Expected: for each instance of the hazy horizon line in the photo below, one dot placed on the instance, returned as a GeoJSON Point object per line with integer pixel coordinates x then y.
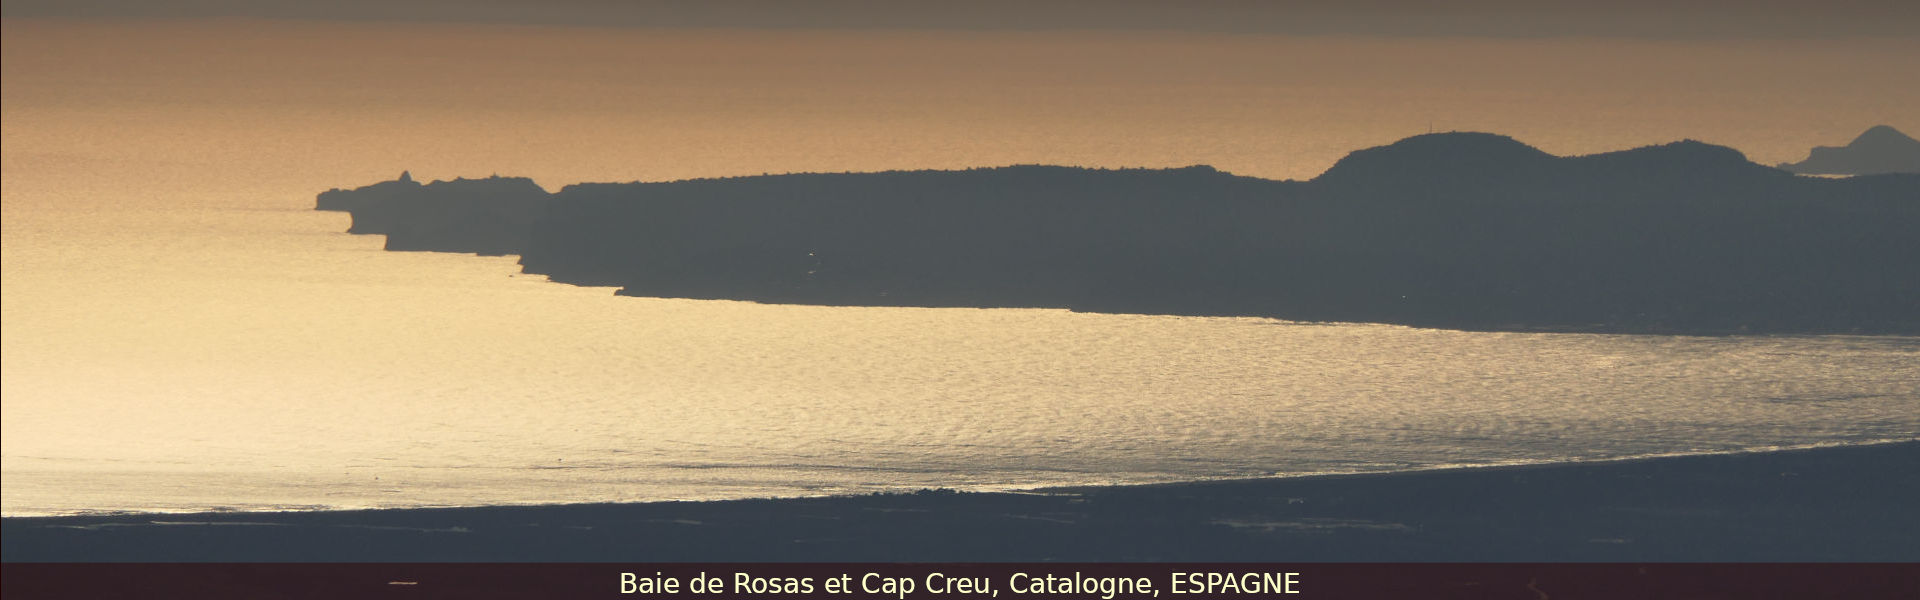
{"type": "Point", "coordinates": [1096, 167]}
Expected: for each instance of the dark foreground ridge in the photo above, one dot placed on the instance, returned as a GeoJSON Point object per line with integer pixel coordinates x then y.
{"type": "Point", "coordinates": [1455, 230]}
{"type": "Point", "coordinates": [1832, 504]}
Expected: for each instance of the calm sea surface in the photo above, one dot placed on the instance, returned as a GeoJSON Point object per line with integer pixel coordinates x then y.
{"type": "Point", "coordinates": [259, 359]}
{"type": "Point", "coordinates": [182, 334]}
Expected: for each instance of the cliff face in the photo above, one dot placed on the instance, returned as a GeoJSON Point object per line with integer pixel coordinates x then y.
{"type": "Point", "coordinates": [491, 216]}
{"type": "Point", "coordinates": [368, 197]}
{"type": "Point", "coordinates": [1448, 230]}
{"type": "Point", "coordinates": [1880, 149]}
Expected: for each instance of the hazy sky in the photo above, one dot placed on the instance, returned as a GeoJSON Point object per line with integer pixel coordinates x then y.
{"type": "Point", "coordinates": [1501, 18]}
{"type": "Point", "coordinates": [315, 94]}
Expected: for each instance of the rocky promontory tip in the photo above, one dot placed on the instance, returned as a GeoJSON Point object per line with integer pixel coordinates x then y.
{"type": "Point", "coordinates": [366, 196]}
{"type": "Point", "coordinates": [1454, 230]}
{"type": "Point", "coordinates": [1880, 149]}
{"type": "Point", "coordinates": [490, 216]}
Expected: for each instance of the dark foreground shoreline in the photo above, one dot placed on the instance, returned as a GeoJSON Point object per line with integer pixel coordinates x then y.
{"type": "Point", "coordinates": [1831, 504]}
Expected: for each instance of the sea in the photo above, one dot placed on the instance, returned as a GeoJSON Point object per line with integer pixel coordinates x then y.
{"type": "Point", "coordinates": [183, 333]}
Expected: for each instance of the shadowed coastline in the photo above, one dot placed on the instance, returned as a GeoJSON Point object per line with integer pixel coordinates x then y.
{"type": "Point", "coordinates": [1830, 504]}
{"type": "Point", "coordinates": [1455, 230]}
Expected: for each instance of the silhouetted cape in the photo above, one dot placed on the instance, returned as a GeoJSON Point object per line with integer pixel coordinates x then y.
{"type": "Point", "coordinates": [1454, 230]}
{"type": "Point", "coordinates": [1880, 149]}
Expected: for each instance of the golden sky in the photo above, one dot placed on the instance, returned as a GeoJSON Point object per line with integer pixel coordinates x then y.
{"type": "Point", "coordinates": [312, 104]}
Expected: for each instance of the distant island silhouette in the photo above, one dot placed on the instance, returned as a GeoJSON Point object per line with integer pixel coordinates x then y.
{"type": "Point", "coordinates": [1880, 149]}
{"type": "Point", "coordinates": [1451, 230]}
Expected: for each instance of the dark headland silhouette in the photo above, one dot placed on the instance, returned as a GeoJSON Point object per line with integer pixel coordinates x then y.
{"type": "Point", "coordinates": [1880, 149]}
{"type": "Point", "coordinates": [1453, 230]}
